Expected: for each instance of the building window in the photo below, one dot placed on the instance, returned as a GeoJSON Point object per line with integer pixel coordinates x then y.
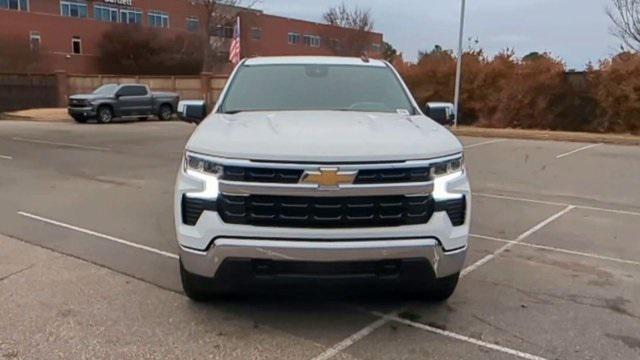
{"type": "Point", "coordinates": [193, 24]}
{"type": "Point", "coordinates": [129, 16]}
{"type": "Point", "coordinates": [158, 19]}
{"type": "Point", "coordinates": [76, 45]}
{"type": "Point", "coordinates": [294, 38]}
{"type": "Point", "coordinates": [224, 31]}
{"type": "Point", "coordinates": [376, 47]}
{"type": "Point", "coordinates": [34, 41]}
{"type": "Point", "coordinates": [105, 13]}
{"type": "Point", "coordinates": [256, 33]}
{"type": "Point", "coordinates": [312, 41]}
{"type": "Point", "coordinates": [22, 5]}
{"type": "Point", "coordinates": [73, 8]}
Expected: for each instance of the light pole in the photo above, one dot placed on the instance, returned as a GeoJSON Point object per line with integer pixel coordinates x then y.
{"type": "Point", "coordinates": [459, 66]}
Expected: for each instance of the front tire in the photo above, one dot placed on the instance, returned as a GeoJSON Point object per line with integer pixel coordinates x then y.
{"type": "Point", "coordinates": [193, 286]}
{"type": "Point", "coordinates": [443, 288]}
{"type": "Point", "coordinates": [165, 112]}
{"type": "Point", "coordinates": [105, 115]}
{"type": "Point", "coordinates": [79, 119]}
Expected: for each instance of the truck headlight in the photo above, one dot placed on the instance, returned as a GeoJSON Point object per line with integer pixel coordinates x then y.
{"type": "Point", "coordinates": [442, 173]}
{"type": "Point", "coordinates": [448, 167]}
{"type": "Point", "coordinates": [205, 170]}
{"type": "Point", "coordinates": [202, 165]}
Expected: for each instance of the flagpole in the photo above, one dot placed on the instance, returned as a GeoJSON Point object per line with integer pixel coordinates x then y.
{"type": "Point", "coordinates": [459, 65]}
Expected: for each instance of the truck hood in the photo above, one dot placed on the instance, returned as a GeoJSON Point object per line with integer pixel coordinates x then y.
{"type": "Point", "coordinates": [87, 97]}
{"type": "Point", "coordinates": [322, 136]}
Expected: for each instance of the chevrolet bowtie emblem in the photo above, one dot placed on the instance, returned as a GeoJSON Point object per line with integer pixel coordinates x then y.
{"type": "Point", "coordinates": [328, 177]}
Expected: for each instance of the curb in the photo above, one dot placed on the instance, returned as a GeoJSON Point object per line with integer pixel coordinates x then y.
{"type": "Point", "coordinates": [583, 137]}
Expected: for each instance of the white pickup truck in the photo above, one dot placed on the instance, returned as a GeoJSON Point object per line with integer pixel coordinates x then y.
{"type": "Point", "coordinates": [320, 167]}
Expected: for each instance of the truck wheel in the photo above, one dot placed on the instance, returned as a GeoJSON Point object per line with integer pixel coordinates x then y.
{"type": "Point", "coordinates": [193, 286]}
{"type": "Point", "coordinates": [165, 112]}
{"type": "Point", "coordinates": [105, 115]}
{"type": "Point", "coordinates": [443, 288]}
{"type": "Point", "coordinates": [80, 119]}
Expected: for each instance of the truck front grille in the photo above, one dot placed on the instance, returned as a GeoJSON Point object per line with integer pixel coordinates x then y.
{"type": "Point", "coordinates": [262, 175]}
{"type": "Point", "coordinates": [78, 103]}
{"type": "Point", "coordinates": [292, 176]}
{"type": "Point", "coordinates": [325, 212]}
{"type": "Point", "coordinates": [456, 210]}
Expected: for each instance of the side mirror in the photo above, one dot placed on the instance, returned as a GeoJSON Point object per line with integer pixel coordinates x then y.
{"type": "Point", "coordinates": [192, 111]}
{"type": "Point", "coordinates": [440, 114]}
{"type": "Point", "coordinates": [426, 110]}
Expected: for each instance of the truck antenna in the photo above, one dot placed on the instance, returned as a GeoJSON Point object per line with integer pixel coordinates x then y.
{"type": "Point", "coordinates": [364, 57]}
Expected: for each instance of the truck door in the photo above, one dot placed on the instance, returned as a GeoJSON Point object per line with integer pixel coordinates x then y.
{"type": "Point", "coordinates": [134, 100]}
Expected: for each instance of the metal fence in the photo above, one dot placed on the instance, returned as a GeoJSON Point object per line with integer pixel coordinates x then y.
{"type": "Point", "coordinates": [22, 91]}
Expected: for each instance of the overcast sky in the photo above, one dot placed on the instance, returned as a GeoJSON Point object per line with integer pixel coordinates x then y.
{"type": "Point", "coordinates": [575, 30]}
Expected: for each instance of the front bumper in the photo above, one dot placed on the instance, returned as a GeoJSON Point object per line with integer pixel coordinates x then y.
{"type": "Point", "coordinates": [207, 263]}
{"type": "Point", "coordinates": [205, 246]}
{"type": "Point", "coordinates": [87, 112]}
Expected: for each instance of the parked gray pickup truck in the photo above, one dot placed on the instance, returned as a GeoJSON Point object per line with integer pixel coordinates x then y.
{"type": "Point", "coordinates": [126, 100]}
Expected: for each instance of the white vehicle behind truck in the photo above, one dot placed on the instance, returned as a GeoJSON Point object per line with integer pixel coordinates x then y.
{"type": "Point", "coordinates": [320, 167]}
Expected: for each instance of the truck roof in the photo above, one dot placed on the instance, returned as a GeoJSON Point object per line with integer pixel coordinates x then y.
{"type": "Point", "coordinates": [320, 60]}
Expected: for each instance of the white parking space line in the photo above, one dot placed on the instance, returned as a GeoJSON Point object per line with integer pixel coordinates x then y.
{"type": "Point", "coordinates": [555, 249]}
{"type": "Point", "coordinates": [519, 239]}
{"type": "Point", "coordinates": [614, 211]}
{"type": "Point", "coordinates": [337, 348]}
{"type": "Point", "coordinates": [392, 315]}
{"type": "Point", "coordinates": [577, 150]}
{"type": "Point", "coordinates": [97, 234]}
{"type": "Point", "coordinates": [485, 143]}
{"type": "Point", "coordinates": [46, 142]}
{"type": "Point", "coordinates": [456, 336]}
{"type": "Point", "coordinates": [5, 157]}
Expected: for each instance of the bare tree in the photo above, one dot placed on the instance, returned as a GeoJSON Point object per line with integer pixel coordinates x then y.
{"type": "Point", "coordinates": [220, 14]}
{"type": "Point", "coordinates": [625, 15]}
{"type": "Point", "coordinates": [356, 18]}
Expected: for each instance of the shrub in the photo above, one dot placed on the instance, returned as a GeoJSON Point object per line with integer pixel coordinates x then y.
{"type": "Point", "coordinates": [127, 49]}
{"type": "Point", "coordinates": [616, 88]}
{"type": "Point", "coordinates": [504, 91]}
{"type": "Point", "coordinates": [17, 57]}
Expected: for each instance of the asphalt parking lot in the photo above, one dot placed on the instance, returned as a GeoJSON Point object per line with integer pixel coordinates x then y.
{"type": "Point", "coordinates": [88, 266]}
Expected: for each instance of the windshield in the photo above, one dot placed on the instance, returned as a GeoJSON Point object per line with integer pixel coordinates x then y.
{"type": "Point", "coordinates": [316, 87]}
{"type": "Point", "coordinates": [106, 89]}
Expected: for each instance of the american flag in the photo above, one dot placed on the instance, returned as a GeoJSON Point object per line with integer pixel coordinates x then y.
{"type": "Point", "coordinates": [234, 50]}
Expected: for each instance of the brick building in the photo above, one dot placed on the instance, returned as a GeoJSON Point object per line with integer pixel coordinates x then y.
{"type": "Point", "coordinates": [65, 34]}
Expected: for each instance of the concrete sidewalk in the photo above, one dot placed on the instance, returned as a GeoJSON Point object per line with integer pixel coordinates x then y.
{"type": "Point", "coordinates": [56, 306]}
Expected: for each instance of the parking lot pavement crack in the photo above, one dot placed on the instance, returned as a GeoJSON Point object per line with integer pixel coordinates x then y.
{"type": "Point", "coordinates": [16, 272]}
